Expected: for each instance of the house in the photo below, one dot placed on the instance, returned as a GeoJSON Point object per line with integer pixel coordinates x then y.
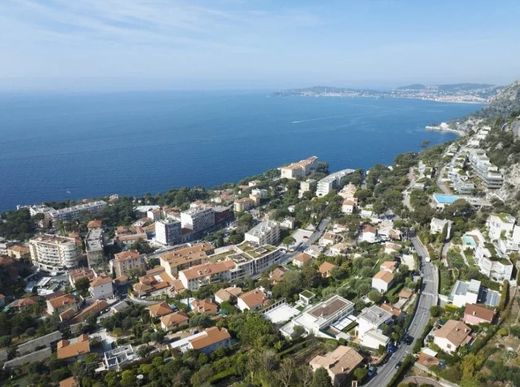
{"type": "Point", "coordinates": [389, 266]}
{"type": "Point", "coordinates": [227, 295]}
{"type": "Point", "coordinates": [451, 336]}
{"type": "Point", "coordinates": [159, 310]}
{"type": "Point", "coordinates": [321, 316]}
{"type": "Point", "coordinates": [206, 341]}
{"type": "Point", "coordinates": [339, 248]}
{"type": "Point", "coordinates": [69, 382]}
{"type": "Point", "coordinates": [374, 339]}
{"type": "Point", "coordinates": [348, 206]}
{"type": "Point", "coordinates": [101, 287]}
{"type": "Point", "coordinates": [405, 294]}
{"type": "Point", "coordinates": [339, 364]}
{"type": "Point", "coordinates": [96, 307]}
{"type": "Point", "coordinates": [82, 272]}
{"type": "Point", "coordinates": [465, 293]}
{"type": "Point", "coordinates": [368, 330]}
{"type": "Point", "coordinates": [475, 314]}
{"type": "Point", "coordinates": [204, 306]}
{"type": "Point", "coordinates": [155, 282]}
{"type": "Point", "coordinates": [326, 268]}
{"type": "Point", "coordinates": [61, 303]}
{"type": "Point", "coordinates": [277, 275]}
{"type": "Point", "coordinates": [437, 226]}
{"type": "Point", "coordinates": [391, 247]}
{"type": "Point", "coordinates": [382, 281]}
{"type": "Point", "coordinates": [301, 259]}
{"type": "Point", "coordinates": [67, 349]}
{"type": "Point", "coordinates": [313, 250]}
{"type": "Point", "coordinates": [368, 234]}
{"type": "Point", "coordinates": [174, 320]}
{"type": "Point", "coordinates": [328, 239]}
{"type": "Point", "coordinates": [394, 310]}
{"type": "Point", "coordinates": [253, 300]}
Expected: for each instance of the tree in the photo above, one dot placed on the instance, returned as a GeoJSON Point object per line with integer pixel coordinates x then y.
{"type": "Point", "coordinates": [288, 240]}
{"type": "Point", "coordinates": [128, 378]}
{"type": "Point", "coordinates": [82, 286]}
{"type": "Point", "coordinates": [375, 296]}
{"type": "Point", "coordinates": [360, 374]}
{"type": "Point", "coordinates": [202, 320]}
{"type": "Point", "coordinates": [436, 311]}
{"type": "Point", "coordinates": [298, 331]}
{"type": "Point", "coordinates": [321, 378]}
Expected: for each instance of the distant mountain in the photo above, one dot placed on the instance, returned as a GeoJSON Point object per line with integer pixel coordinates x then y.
{"type": "Point", "coordinates": [466, 86]}
{"type": "Point", "coordinates": [415, 86]}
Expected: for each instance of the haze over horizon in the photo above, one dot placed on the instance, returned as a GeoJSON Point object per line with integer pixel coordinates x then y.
{"type": "Point", "coordinates": [122, 45]}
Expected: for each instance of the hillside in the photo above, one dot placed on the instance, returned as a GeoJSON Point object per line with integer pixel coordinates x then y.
{"type": "Point", "coordinates": [502, 144]}
{"type": "Point", "coordinates": [505, 104]}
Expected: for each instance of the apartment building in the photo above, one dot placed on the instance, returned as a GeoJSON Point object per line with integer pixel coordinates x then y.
{"type": "Point", "coordinates": [264, 233]}
{"type": "Point", "coordinates": [94, 246]}
{"type": "Point", "coordinates": [168, 232]}
{"type": "Point", "coordinates": [198, 219]}
{"type": "Point", "coordinates": [243, 204]}
{"type": "Point", "coordinates": [128, 263]}
{"type": "Point", "coordinates": [185, 257]}
{"type": "Point", "coordinates": [234, 264]}
{"type": "Point", "coordinates": [68, 213]}
{"type": "Point", "coordinates": [331, 182]}
{"type": "Point", "coordinates": [485, 170]}
{"type": "Point", "coordinates": [53, 252]}
{"type": "Point", "coordinates": [206, 274]}
{"type": "Point", "coordinates": [299, 169]}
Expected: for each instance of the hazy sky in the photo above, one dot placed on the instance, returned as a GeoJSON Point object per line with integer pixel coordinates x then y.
{"type": "Point", "coordinates": [78, 44]}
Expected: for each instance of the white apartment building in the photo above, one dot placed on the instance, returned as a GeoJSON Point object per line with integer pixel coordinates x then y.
{"type": "Point", "coordinates": [500, 226]}
{"type": "Point", "coordinates": [299, 169]}
{"type": "Point", "coordinates": [168, 232]}
{"type": "Point", "coordinates": [53, 253]}
{"type": "Point", "coordinates": [490, 264]}
{"type": "Point", "coordinates": [198, 218]}
{"type": "Point", "coordinates": [68, 213]}
{"type": "Point", "coordinates": [485, 170]}
{"type": "Point", "coordinates": [330, 182]}
{"type": "Point", "coordinates": [264, 233]}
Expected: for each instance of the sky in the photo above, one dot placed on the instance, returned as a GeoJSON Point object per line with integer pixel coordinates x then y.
{"type": "Point", "coordinates": [255, 44]}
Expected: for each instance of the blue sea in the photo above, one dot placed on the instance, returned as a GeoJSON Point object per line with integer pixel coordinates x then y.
{"type": "Point", "coordinates": [71, 146]}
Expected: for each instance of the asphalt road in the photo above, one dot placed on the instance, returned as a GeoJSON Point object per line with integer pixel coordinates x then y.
{"type": "Point", "coordinates": [427, 298]}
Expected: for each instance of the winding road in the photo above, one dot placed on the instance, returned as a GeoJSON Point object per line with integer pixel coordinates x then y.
{"type": "Point", "coordinates": [428, 297]}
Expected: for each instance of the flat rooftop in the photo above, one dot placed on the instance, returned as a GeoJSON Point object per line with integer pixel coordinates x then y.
{"type": "Point", "coordinates": [330, 307]}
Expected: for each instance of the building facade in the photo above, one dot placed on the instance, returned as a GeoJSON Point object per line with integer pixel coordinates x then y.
{"type": "Point", "coordinates": [54, 253]}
